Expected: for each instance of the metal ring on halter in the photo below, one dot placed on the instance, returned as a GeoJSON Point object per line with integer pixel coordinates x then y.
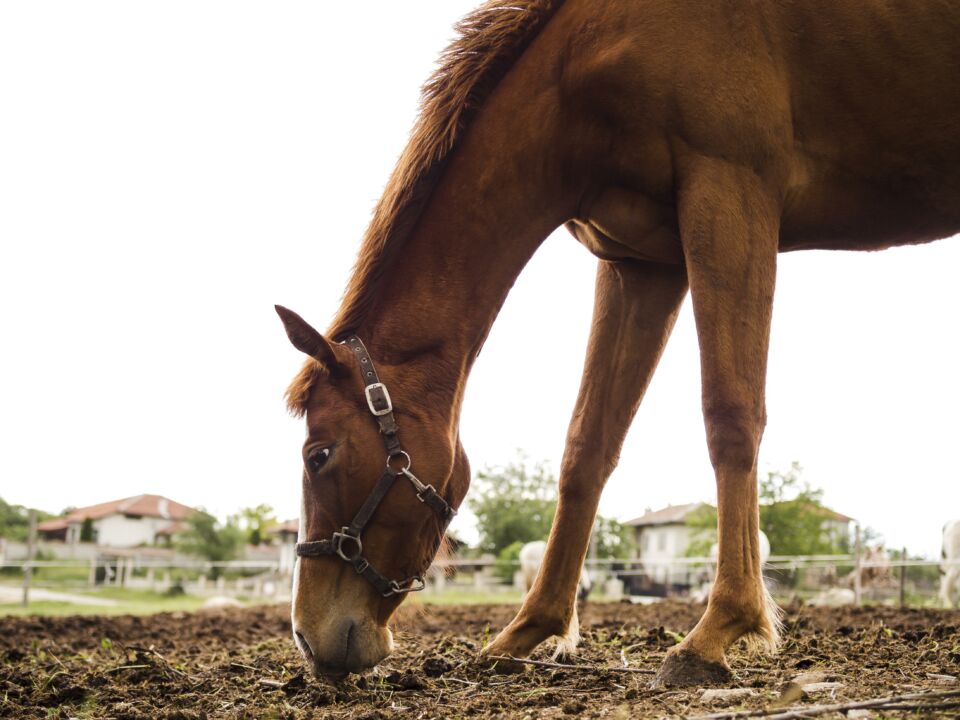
{"type": "Point", "coordinates": [403, 470]}
{"type": "Point", "coordinates": [339, 537]}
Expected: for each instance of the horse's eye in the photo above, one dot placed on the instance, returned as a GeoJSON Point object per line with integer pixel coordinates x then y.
{"type": "Point", "coordinates": [317, 459]}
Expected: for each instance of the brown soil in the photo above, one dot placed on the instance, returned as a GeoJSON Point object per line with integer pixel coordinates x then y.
{"type": "Point", "coordinates": [242, 664]}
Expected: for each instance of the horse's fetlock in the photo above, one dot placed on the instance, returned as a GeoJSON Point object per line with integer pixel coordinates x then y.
{"type": "Point", "coordinates": [546, 623]}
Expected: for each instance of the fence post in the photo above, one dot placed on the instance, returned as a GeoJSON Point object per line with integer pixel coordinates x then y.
{"type": "Point", "coordinates": [903, 578]}
{"type": "Point", "coordinates": [31, 551]}
{"type": "Point", "coordinates": [857, 580]}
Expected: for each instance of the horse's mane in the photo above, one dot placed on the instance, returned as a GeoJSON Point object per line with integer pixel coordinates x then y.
{"type": "Point", "coordinates": [489, 42]}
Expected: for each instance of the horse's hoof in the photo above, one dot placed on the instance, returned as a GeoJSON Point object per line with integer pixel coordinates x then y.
{"type": "Point", "coordinates": [685, 668]}
{"type": "Point", "coordinates": [501, 665]}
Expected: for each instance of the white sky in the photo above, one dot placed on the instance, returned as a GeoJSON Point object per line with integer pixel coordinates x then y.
{"type": "Point", "coordinates": [169, 171]}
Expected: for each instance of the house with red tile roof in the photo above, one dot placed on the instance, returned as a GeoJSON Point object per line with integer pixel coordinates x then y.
{"type": "Point", "coordinates": [128, 522]}
{"type": "Point", "coordinates": [663, 536]}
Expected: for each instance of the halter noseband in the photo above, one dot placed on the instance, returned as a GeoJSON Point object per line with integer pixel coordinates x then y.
{"type": "Point", "coordinates": [346, 544]}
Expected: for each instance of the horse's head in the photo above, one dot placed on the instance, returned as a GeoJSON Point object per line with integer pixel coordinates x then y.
{"type": "Point", "coordinates": [375, 501]}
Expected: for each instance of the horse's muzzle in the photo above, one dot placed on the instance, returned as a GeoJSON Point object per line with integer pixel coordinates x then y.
{"type": "Point", "coordinates": [343, 646]}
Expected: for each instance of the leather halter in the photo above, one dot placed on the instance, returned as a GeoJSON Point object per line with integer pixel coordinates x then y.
{"type": "Point", "coordinates": [346, 544]}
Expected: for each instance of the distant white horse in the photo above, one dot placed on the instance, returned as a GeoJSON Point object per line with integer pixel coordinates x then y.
{"type": "Point", "coordinates": [531, 557]}
{"type": "Point", "coordinates": [703, 592]}
{"type": "Point", "coordinates": [950, 574]}
{"type": "Point", "coordinates": [764, 553]}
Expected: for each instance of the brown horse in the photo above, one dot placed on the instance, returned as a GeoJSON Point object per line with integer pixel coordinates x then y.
{"type": "Point", "coordinates": [685, 144]}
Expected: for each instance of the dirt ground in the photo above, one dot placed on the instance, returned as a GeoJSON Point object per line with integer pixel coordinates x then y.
{"type": "Point", "coordinates": [241, 663]}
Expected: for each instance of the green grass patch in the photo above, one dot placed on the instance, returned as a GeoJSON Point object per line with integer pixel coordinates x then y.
{"type": "Point", "coordinates": [49, 607]}
{"type": "Point", "coordinates": [468, 597]}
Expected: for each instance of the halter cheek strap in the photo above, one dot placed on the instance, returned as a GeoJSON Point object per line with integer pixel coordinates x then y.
{"type": "Point", "coordinates": [347, 544]}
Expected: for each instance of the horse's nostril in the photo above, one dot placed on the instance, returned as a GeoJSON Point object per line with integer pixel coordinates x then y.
{"type": "Point", "coordinates": [304, 646]}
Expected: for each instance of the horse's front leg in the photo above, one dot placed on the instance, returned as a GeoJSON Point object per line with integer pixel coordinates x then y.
{"type": "Point", "coordinates": [729, 226]}
{"type": "Point", "coordinates": [635, 308]}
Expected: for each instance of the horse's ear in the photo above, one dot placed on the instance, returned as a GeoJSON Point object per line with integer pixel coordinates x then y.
{"type": "Point", "coordinates": [306, 339]}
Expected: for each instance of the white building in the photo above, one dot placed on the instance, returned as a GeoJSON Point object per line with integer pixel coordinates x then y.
{"type": "Point", "coordinates": [663, 536]}
{"type": "Point", "coordinates": [125, 523]}
{"type": "Point", "coordinates": [285, 535]}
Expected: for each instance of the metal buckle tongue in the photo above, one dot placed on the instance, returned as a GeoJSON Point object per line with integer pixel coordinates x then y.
{"type": "Point", "coordinates": [378, 399]}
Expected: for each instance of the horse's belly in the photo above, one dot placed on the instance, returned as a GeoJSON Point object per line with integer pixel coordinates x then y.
{"type": "Point", "coordinates": [846, 214]}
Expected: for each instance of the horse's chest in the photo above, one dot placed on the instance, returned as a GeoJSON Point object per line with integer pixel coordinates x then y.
{"type": "Point", "coordinates": [620, 223]}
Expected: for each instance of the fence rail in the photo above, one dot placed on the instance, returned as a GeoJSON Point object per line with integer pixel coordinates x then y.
{"type": "Point", "coordinates": [480, 573]}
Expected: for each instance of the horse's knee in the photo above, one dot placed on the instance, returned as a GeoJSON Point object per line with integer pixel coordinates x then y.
{"type": "Point", "coordinates": [733, 434]}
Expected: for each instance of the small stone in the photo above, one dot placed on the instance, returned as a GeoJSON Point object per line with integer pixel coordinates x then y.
{"type": "Point", "coordinates": [808, 678]}
{"type": "Point", "coordinates": [822, 687]}
{"type": "Point", "coordinates": [726, 696]}
{"type": "Point", "coordinates": [859, 714]}
{"type": "Point", "coordinates": [789, 693]}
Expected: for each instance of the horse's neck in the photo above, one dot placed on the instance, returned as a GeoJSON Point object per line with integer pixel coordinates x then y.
{"type": "Point", "coordinates": [497, 200]}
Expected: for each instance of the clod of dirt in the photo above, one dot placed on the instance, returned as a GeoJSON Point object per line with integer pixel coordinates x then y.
{"type": "Point", "coordinates": [405, 681]}
{"type": "Point", "coordinates": [294, 684]}
{"type": "Point", "coordinates": [574, 707]}
{"type": "Point", "coordinates": [435, 667]}
{"type": "Point", "coordinates": [374, 715]}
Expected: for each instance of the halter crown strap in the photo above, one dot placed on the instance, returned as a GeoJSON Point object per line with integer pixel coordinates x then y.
{"type": "Point", "coordinates": [378, 399]}
{"type": "Point", "coordinates": [347, 544]}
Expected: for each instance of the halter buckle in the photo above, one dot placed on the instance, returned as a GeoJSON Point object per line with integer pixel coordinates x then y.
{"type": "Point", "coordinates": [414, 584]}
{"type": "Point", "coordinates": [428, 489]}
{"type": "Point", "coordinates": [339, 537]}
{"type": "Point", "coordinates": [378, 399]}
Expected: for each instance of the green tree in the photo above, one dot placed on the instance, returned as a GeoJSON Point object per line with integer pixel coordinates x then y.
{"type": "Point", "coordinates": [703, 526]}
{"type": "Point", "coordinates": [257, 521]}
{"type": "Point", "coordinates": [86, 530]}
{"type": "Point", "coordinates": [508, 560]}
{"type": "Point", "coordinates": [791, 514]}
{"type": "Point", "coordinates": [513, 504]}
{"type": "Point", "coordinates": [614, 539]}
{"type": "Point", "coordinates": [15, 521]}
{"type": "Point", "coordinates": [207, 538]}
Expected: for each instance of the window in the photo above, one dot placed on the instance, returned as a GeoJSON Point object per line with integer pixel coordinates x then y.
{"type": "Point", "coordinates": [662, 541]}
